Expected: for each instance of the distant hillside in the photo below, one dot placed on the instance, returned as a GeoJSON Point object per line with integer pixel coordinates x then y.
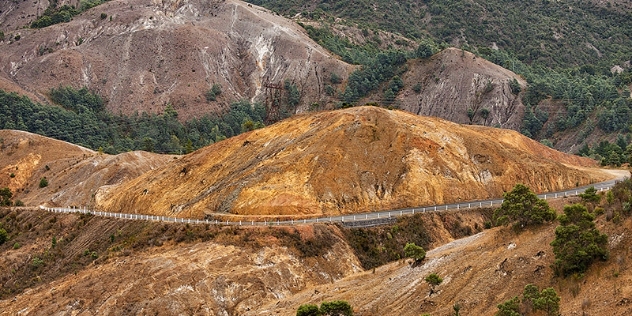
{"type": "Point", "coordinates": [198, 56]}
{"type": "Point", "coordinates": [460, 87]}
{"type": "Point", "coordinates": [574, 55]}
{"type": "Point", "coordinates": [553, 33]}
{"type": "Point", "coordinates": [348, 161]}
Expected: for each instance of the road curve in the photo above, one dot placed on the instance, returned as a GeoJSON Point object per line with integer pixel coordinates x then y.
{"type": "Point", "coordinates": [360, 220]}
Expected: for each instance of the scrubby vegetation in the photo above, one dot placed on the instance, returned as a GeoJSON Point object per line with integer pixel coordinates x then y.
{"type": "Point", "coordinates": [334, 308]}
{"type": "Point", "coordinates": [433, 279]}
{"type": "Point", "coordinates": [532, 301]}
{"type": "Point", "coordinates": [379, 245]}
{"type": "Point", "coordinates": [55, 15]}
{"type": "Point", "coordinates": [413, 251]}
{"type": "Point", "coordinates": [82, 119]}
{"type": "Point", "coordinates": [5, 197]}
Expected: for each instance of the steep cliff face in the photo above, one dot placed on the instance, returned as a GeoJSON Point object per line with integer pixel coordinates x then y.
{"type": "Point", "coordinates": [146, 54]}
{"type": "Point", "coordinates": [453, 82]}
{"type": "Point", "coordinates": [348, 161]}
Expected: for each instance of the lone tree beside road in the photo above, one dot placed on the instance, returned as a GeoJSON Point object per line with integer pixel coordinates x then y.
{"type": "Point", "coordinates": [523, 208]}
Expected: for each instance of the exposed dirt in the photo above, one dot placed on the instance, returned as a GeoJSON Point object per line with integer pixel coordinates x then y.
{"type": "Point", "coordinates": [347, 161]}
{"type": "Point", "coordinates": [148, 53]}
{"type": "Point", "coordinates": [164, 269]}
{"type": "Point", "coordinates": [148, 269]}
{"type": "Point", "coordinates": [74, 173]}
{"type": "Point", "coordinates": [480, 272]}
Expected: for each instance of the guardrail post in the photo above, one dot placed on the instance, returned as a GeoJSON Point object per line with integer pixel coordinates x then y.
{"type": "Point", "coordinates": [413, 211]}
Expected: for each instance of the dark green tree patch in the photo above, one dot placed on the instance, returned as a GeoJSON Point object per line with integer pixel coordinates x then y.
{"type": "Point", "coordinates": [522, 208]}
{"type": "Point", "coordinates": [577, 241]}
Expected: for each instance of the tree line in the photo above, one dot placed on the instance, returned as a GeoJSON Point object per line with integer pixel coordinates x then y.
{"type": "Point", "coordinates": [81, 118]}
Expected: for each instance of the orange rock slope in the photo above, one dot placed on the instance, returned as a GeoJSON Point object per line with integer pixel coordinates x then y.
{"type": "Point", "coordinates": [348, 161]}
{"type": "Point", "coordinates": [74, 173]}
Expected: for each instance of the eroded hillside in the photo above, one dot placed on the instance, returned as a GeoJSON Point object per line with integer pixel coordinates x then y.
{"type": "Point", "coordinates": [145, 54]}
{"type": "Point", "coordinates": [346, 161]}
{"type": "Point", "coordinates": [107, 266]}
{"type": "Point", "coordinates": [480, 272]}
{"type": "Point", "coordinates": [460, 87]}
{"type": "Point", "coordinates": [74, 173]}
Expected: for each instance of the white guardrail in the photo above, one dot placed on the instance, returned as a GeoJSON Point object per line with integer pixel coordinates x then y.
{"type": "Point", "coordinates": [602, 186]}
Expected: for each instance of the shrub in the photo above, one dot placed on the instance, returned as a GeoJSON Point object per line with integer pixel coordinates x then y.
{"type": "Point", "coordinates": [103, 16]}
{"type": "Point", "coordinates": [336, 308]}
{"type": "Point", "coordinates": [509, 307]}
{"type": "Point", "coordinates": [335, 79]}
{"type": "Point", "coordinates": [413, 251]}
{"type": "Point", "coordinates": [434, 279]}
{"type": "Point", "coordinates": [532, 299]}
{"type": "Point", "coordinates": [16, 246]}
{"type": "Point", "coordinates": [4, 236]}
{"type": "Point", "coordinates": [211, 94]}
{"type": "Point", "coordinates": [417, 87]}
{"type": "Point", "coordinates": [577, 242]}
{"type": "Point", "coordinates": [37, 262]}
{"type": "Point", "coordinates": [43, 182]}
{"type": "Point", "coordinates": [308, 310]}
{"type": "Point", "coordinates": [5, 197]}
{"type": "Point", "coordinates": [548, 301]}
{"type": "Point", "coordinates": [523, 208]}
{"type": "Point", "coordinates": [515, 86]}
{"type": "Point", "coordinates": [590, 195]}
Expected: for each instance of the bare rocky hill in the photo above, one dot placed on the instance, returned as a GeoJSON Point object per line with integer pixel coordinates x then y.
{"type": "Point", "coordinates": [146, 54]}
{"type": "Point", "coordinates": [348, 161]}
{"type": "Point", "coordinates": [74, 173]}
{"type": "Point", "coordinates": [454, 81]}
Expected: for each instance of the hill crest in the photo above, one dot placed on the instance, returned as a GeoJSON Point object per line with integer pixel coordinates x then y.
{"type": "Point", "coordinates": [348, 161]}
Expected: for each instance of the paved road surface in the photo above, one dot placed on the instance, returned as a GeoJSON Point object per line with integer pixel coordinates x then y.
{"type": "Point", "coordinates": [355, 220]}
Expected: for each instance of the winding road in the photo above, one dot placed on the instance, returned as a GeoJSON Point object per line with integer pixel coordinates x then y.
{"type": "Point", "coordinates": [353, 220]}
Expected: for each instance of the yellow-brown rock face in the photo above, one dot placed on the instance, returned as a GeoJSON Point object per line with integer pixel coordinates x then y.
{"type": "Point", "coordinates": [348, 161]}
